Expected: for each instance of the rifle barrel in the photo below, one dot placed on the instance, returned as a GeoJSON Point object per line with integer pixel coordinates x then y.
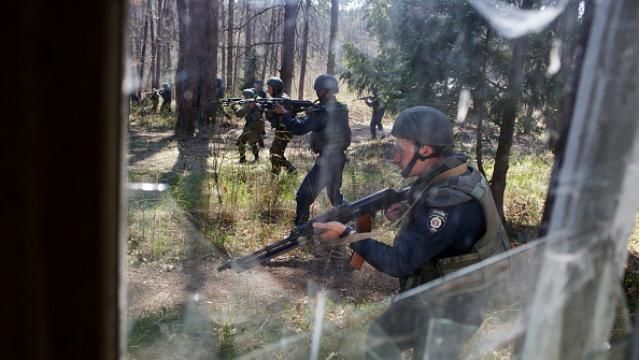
{"type": "Point", "coordinates": [303, 233]}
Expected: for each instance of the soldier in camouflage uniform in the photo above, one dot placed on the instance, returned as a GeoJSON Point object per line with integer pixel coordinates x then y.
{"type": "Point", "coordinates": [252, 127]}
{"type": "Point", "coordinates": [282, 136]}
{"type": "Point", "coordinates": [154, 95]}
{"type": "Point", "coordinates": [328, 122]}
{"type": "Point", "coordinates": [165, 92]}
{"type": "Point", "coordinates": [257, 90]}
{"type": "Point", "coordinates": [450, 222]}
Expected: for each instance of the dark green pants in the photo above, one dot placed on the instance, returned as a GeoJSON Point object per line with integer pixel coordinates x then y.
{"type": "Point", "coordinates": [278, 146]}
{"type": "Point", "coordinates": [251, 137]}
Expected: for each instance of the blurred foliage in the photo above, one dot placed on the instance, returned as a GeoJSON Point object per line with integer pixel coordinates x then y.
{"type": "Point", "coordinates": [431, 50]}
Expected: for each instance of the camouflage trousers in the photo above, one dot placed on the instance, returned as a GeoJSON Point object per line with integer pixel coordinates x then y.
{"type": "Point", "coordinates": [278, 146]}
{"type": "Point", "coordinates": [249, 137]}
{"type": "Point", "coordinates": [166, 106]}
{"type": "Point", "coordinates": [261, 134]}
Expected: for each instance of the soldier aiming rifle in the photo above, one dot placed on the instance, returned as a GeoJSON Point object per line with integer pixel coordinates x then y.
{"type": "Point", "coordinates": [253, 124]}
{"type": "Point", "coordinates": [377, 113]}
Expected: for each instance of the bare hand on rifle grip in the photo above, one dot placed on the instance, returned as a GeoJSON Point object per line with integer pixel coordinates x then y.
{"type": "Point", "coordinates": [329, 230]}
{"type": "Point", "coordinates": [279, 109]}
{"type": "Point", "coordinates": [395, 211]}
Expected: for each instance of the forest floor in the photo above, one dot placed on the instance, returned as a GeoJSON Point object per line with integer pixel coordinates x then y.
{"type": "Point", "coordinates": [167, 282]}
{"type": "Point", "coordinates": [157, 284]}
{"type": "Point", "coordinates": [215, 209]}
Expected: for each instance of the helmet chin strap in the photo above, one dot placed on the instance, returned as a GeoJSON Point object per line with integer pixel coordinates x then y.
{"type": "Point", "coordinates": [321, 95]}
{"type": "Point", "coordinates": [416, 156]}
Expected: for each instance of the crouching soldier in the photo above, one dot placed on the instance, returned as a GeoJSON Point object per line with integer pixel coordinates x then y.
{"type": "Point", "coordinates": [450, 222]}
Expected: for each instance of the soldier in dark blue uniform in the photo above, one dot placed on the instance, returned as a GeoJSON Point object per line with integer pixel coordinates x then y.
{"type": "Point", "coordinates": [450, 221]}
{"type": "Point", "coordinates": [328, 123]}
{"type": "Point", "coordinates": [377, 109]}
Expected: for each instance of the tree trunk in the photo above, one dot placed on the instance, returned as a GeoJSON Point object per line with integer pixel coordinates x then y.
{"type": "Point", "coordinates": [276, 49]}
{"type": "Point", "coordinates": [223, 42]}
{"type": "Point", "coordinates": [249, 56]}
{"type": "Point", "coordinates": [230, 46]}
{"type": "Point", "coordinates": [509, 114]}
{"type": "Point", "coordinates": [269, 47]}
{"type": "Point", "coordinates": [208, 65]}
{"type": "Point", "coordinates": [186, 84]}
{"type": "Point", "coordinates": [143, 48]}
{"type": "Point", "coordinates": [305, 48]}
{"type": "Point", "coordinates": [159, 30]}
{"type": "Point", "coordinates": [234, 80]}
{"type": "Point", "coordinates": [195, 83]}
{"type": "Point", "coordinates": [289, 42]}
{"type": "Point", "coordinates": [168, 41]}
{"type": "Point", "coordinates": [479, 100]}
{"type": "Point", "coordinates": [154, 47]}
{"type": "Point", "coordinates": [333, 43]}
{"type": "Point", "coordinates": [479, 145]}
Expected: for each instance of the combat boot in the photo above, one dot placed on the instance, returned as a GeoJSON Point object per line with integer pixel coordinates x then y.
{"type": "Point", "coordinates": [291, 169]}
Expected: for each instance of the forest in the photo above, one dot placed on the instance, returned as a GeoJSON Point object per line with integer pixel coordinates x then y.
{"type": "Point", "coordinates": [508, 74]}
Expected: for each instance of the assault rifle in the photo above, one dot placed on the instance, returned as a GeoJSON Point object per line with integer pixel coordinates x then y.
{"type": "Point", "coordinates": [227, 101]}
{"type": "Point", "coordinates": [365, 98]}
{"type": "Point", "coordinates": [361, 210]}
{"type": "Point", "coordinates": [292, 106]}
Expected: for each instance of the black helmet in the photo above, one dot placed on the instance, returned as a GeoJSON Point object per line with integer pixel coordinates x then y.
{"type": "Point", "coordinates": [326, 82]}
{"type": "Point", "coordinates": [165, 85]}
{"type": "Point", "coordinates": [248, 93]}
{"type": "Point", "coordinates": [276, 83]}
{"type": "Point", "coordinates": [425, 125]}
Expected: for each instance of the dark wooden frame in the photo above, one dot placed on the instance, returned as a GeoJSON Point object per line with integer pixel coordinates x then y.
{"type": "Point", "coordinates": [62, 174]}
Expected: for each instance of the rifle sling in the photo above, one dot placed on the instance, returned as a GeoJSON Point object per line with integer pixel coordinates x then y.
{"type": "Point", "coordinates": [355, 237]}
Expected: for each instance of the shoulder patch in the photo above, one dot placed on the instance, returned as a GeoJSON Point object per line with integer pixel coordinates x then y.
{"type": "Point", "coordinates": [436, 220]}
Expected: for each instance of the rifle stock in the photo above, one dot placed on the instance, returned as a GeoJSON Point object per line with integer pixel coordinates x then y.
{"type": "Point", "coordinates": [303, 233]}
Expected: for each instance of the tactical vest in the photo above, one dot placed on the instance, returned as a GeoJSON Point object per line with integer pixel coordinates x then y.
{"type": "Point", "coordinates": [336, 135]}
{"type": "Point", "coordinates": [250, 115]}
{"type": "Point", "coordinates": [253, 119]}
{"type": "Point", "coordinates": [276, 120]}
{"type": "Point", "coordinates": [453, 191]}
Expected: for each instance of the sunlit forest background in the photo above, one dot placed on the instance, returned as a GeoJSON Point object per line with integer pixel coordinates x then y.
{"type": "Point", "coordinates": [509, 96]}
